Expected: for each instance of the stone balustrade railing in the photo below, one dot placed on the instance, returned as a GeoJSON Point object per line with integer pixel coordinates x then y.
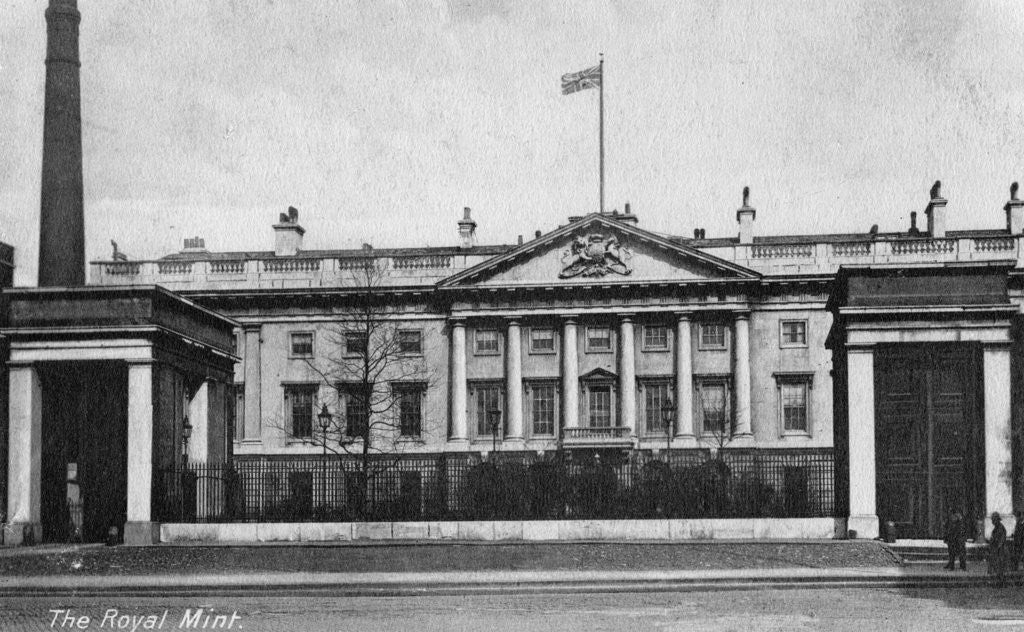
{"type": "Point", "coordinates": [782, 258]}
{"type": "Point", "coordinates": [613, 432]}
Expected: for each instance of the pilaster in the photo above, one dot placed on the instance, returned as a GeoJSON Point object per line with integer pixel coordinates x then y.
{"type": "Point", "coordinates": [140, 528]}
{"type": "Point", "coordinates": [860, 372]}
{"type": "Point", "coordinates": [24, 464]}
{"type": "Point", "coordinates": [253, 387]}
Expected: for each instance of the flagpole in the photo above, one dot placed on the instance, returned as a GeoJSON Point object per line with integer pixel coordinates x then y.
{"type": "Point", "coordinates": [600, 119]}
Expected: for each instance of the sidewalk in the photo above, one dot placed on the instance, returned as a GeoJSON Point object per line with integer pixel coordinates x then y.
{"type": "Point", "coordinates": [461, 568]}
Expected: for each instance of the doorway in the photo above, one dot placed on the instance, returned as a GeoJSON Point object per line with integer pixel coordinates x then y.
{"type": "Point", "coordinates": [84, 469]}
{"type": "Point", "coordinates": [929, 436]}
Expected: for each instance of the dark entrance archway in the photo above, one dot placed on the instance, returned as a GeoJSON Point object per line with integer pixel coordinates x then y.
{"type": "Point", "coordinates": [84, 459]}
{"type": "Point", "coordinates": [929, 435]}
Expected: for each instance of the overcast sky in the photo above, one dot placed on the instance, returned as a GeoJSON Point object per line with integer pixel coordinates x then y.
{"type": "Point", "coordinates": [381, 120]}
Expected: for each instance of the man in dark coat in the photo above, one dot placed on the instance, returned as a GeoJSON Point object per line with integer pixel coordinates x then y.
{"type": "Point", "coordinates": [997, 549]}
{"type": "Point", "coordinates": [956, 541]}
{"type": "Point", "coordinates": [1018, 541]}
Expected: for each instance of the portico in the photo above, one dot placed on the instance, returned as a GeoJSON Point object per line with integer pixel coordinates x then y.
{"type": "Point", "coordinates": [927, 380]}
{"type": "Point", "coordinates": [102, 382]}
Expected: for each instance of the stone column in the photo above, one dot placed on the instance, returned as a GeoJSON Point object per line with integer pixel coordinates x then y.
{"type": "Point", "coordinates": [860, 385]}
{"type": "Point", "coordinates": [24, 462]}
{"type": "Point", "coordinates": [570, 375]}
{"type": "Point", "coordinates": [253, 387]}
{"type": "Point", "coordinates": [140, 528]}
{"type": "Point", "coordinates": [627, 374]}
{"type": "Point", "coordinates": [199, 418]}
{"type": "Point", "coordinates": [998, 439]}
{"type": "Point", "coordinates": [459, 429]}
{"type": "Point", "coordinates": [514, 382]}
{"type": "Point", "coordinates": [743, 434]}
{"type": "Point", "coordinates": [684, 381]}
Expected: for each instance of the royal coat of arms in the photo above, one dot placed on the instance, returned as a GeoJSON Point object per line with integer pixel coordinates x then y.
{"type": "Point", "coordinates": [595, 255]}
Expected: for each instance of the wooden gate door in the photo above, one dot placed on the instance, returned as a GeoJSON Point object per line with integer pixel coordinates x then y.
{"type": "Point", "coordinates": [927, 436]}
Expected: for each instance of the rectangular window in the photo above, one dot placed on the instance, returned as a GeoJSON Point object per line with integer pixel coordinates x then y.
{"type": "Point", "coordinates": [655, 338]}
{"type": "Point", "coordinates": [542, 340]}
{"type": "Point", "coordinates": [656, 396]}
{"type": "Point", "coordinates": [486, 341]}
{"type": "Point", "coordinates": [794, 333]}
{"type": "Point", "coordinates": [302, 345]}
{"type": "Point", "coordinates": [599, 406]}
{"type": "Point", "coordinates": [599, 339]}
{"type": "Point", "coordinates": [356, 411]}
{"type": "Point", "coordinates": [410, 342]}
{"type": "Point", "coordinates": [794, 406]}
{"type": "Point", "coordinates": [714, 407]}
{"type": "Point", "coordinates": [410, 409]}
{"type": "Point", "coordinates": [355, 343]}
{"type": "Point", "coordinates": [543, 402]}
{"type": "Point", "coordinates": [488, 404]}
{"type": "Point", "coordinates": [301, 400]}
{"type": "Point", "coordinates": [712, 336]}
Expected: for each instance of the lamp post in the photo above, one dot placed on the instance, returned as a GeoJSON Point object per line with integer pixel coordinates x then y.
{"type": "Point", "coordinates": [494, 418]}
{"type": "Point", "coordinates": [324, 419]}
{"type": "Point", "coordinates": [668, 415]}
{"type": "Point", "coordinates": [186, 433]}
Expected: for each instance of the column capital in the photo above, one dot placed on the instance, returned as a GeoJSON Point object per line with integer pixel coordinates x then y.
{"type": "Point", "coordinates": [742, 314]}
{"type": "Point", "coordinates": [860, 347]}
{"type": "Point", "coordinates": [996, 345]}
{"type": "Point", "coordinates": [145, 362]}
{"type": "Point", "coordinates": [514, 319]}
{"type": "Point", "coordinates": [683, 315]}
{"type": "Point", "coordinates": [250, 327]}
{"type": "Point", "coordinates": [570, 319]}
{"type": "Point", "coordinates": [457, 321]}
{"type": "Point", "coordinates": [626, 317]}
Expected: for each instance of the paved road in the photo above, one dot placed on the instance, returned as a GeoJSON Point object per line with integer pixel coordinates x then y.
{"type": "Point", "coordinates": [930, 610]}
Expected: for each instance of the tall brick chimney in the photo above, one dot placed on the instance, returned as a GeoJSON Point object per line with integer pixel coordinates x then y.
{"type": "Point", "coordinates": [62, 219]}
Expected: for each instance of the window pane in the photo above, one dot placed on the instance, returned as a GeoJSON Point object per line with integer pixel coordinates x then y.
{"type": "Point", "coordinates": [410, 411]}
{"type": "Point", "coordinates": [794, 333]}
{"type": "Point", "coordinates": [712, 398]}
{"type": "Point", "coordinates": [712, 335]}
{"type": "Point", "coordinates": [355, 343]}
{"type": "Point", "coordinates": [599, 339]}
{"type": "Point", "coordinates": [542, 405]}
{"type": "Point", "coordinates": [302, 344]}
{"type": "Point", "coordinates": [542, 340]}
{"type": "Point", "coordinates": [301, 403]}
{"type": "Point", "coordinates": [655, 337]}
{"type": "Point", "coordinates": [655, 397]}
{"type": "Point", "coordinates": [486, 341]}
{"type": "Point", "coordinates": [488, 398]}
{"type": "Point", "coordinates": [794, 406]}
{"type": "Point", "coordinates": [357, 414]}
{"type": "Point", "coordinates": [410, 342]}
{"type": "Point", "coordinates": [599, 399]}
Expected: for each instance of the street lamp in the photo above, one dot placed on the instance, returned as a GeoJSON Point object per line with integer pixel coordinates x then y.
{"type": "Point", "coordinates": [494, 418]}
{"type": "Point", "coordinates": [186, 433]}
{"type": "Point", "coordinates": [668, 415]}
{"type": "Point", "coordinates": [324, 419]}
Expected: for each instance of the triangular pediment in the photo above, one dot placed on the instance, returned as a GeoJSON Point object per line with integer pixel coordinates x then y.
{"type": "Point", "coordinates": [598, 249]}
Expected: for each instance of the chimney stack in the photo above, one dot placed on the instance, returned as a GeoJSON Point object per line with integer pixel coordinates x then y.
{"type": "Point", "coordinates": [936, 211]}
{"type": "Point", "coordinates": [1014, 212]}
{"type": "Point", "coordinates": [62, 217]}
{"type": "Point", "coordinates": [467, 230]}
{"type": "Point", "coordinates": [288, 234]}
{"type": "Point", "coordinates": [745, 218]}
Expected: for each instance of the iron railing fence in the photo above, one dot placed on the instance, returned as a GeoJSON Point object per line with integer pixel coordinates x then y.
{"type": "Point", "coordinates": [607, 484]}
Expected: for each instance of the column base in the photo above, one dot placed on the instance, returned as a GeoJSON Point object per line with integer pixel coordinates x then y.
{"type": "Point", "coordinates": [517, 444]}
{"type": "Point", "coordinates": [866, 526]}
{"type": "Point", "coordinates": [684, 441]}
{"type": "Point", "coordinates": [457, 445]}
{"type": "Point", "coordinates": [22, 533]}
{"type": "Point", "coordinates": [744, 440]}
{"type": "Point", "coordinates": [141, 533]}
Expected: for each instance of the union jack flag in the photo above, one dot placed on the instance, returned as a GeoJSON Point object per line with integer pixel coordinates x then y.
{"type": "Point", "coordinates": [576, 81]}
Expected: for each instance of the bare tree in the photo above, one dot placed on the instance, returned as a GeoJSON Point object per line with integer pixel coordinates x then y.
{"type": "Point", "coordinates": [377, 376]}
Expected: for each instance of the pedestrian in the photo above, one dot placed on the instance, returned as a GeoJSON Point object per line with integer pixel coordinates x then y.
{"type": "Point", "coordinates": [997, 549]}
{"type": "Point", "coordinates": [956, 541]}
{"type": "Point", "coordinates": [1018, 541]}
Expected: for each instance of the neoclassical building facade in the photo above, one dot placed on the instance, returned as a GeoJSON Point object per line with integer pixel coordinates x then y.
{"type": "Point", "coordinates": [894, 352]}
